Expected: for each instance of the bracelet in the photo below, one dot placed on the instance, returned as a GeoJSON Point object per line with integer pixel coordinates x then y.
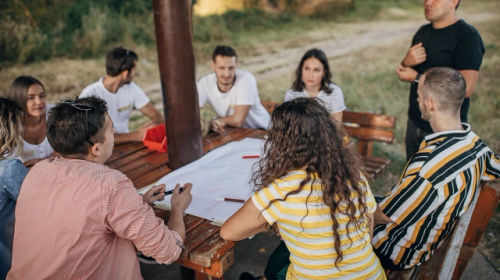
{"type": "Point", "coordinates": [417, 78]}
{"type": "Point", "coordinates": [180, 244]}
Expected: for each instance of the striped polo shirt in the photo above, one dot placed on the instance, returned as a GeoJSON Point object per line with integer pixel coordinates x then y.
{"type": "Point", "coordinates": [306, 227]}
{"type": "Point", "coordinates": [436, 188]}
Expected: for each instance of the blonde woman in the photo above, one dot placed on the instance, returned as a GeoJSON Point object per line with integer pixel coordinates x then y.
{"type": "Point", "coordinates": [29, 94]}
{"type": "Point", "coordinates": [12, 173]}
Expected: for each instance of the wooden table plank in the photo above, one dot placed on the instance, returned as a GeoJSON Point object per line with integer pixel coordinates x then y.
{"type": "Point", "coordinates": [199, 234]}
{"type": "Point", "coordinates": [151, 177]}
{"type": "Point", "coordinates": [127, 159]}
{"type": "Point", "coordinates": [122, 150]}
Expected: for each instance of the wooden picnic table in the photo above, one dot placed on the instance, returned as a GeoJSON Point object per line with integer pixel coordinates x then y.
{"type": "Point", "coordinates": [208, 255]}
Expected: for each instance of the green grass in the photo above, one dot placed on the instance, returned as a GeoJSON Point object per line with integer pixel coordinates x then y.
{"type": "Point", "coordinates": [86, 29]}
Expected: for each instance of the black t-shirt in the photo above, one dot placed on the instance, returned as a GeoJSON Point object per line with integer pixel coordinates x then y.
{"type": "Point", "coordinates": [457, 46]}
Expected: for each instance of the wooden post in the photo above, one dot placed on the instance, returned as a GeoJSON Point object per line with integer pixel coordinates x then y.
{"type": "Point", "coordinates": [177, 75]}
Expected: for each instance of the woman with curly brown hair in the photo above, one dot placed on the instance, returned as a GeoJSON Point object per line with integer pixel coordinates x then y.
{"type": "Point", "coordinates": [310, 186]}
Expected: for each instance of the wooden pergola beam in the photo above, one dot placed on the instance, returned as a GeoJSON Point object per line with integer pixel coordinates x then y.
{"type": "Point", "coordinates": [177, 74]}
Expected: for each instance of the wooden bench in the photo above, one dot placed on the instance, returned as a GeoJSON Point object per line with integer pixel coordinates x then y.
{"type": "Point", "coordinates": [365, 128]}
{"type": "Point", "coordinates": [451, 258]}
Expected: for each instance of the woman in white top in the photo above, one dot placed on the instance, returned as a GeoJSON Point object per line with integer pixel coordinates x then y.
{"type": "Point", "coordinates": [29, 93]}
{"type": "Point", "coordinates": [313, 79]}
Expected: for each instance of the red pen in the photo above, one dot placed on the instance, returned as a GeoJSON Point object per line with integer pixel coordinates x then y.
{"type": "Point", "coordinates": [229, 199]}
{"type": "Point", "coordinates": [250, 156]}
{"type": "Point", "coordinates": [233, 200]}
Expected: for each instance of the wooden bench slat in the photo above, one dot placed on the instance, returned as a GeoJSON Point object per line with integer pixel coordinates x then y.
{"type": "Point", "coordinates": [374, 164]}
{"type": "Point", "coordinates": [378, 160]}
{"type": "Point", "coordinates": [485, 208]}
{"type": "Point", "coordinates": [370, 134]}
{"type": "Point", "coordinates": [369, 119]}
{"type": "Point", "coordinates": [451, 258]}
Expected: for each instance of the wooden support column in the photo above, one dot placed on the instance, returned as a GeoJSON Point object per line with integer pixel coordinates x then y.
{"type": "Point", "coordinates": [177, 75]}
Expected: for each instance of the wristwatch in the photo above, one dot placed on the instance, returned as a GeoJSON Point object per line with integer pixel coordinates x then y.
{"type": "Point", "coordinates": [417, 78]}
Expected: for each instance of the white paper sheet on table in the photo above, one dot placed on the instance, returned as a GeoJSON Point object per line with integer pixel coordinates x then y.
{"type": "Point", "coordinates": [220, 173]}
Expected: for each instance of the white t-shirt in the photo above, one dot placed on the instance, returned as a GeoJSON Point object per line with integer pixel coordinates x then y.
{"type": "Point", "coordinates": [243, 92]}
{"type": "Point", "coordinates": [120, 104]}
{"type": "Point", "coordinates": [333, 102]}
{"type": "Point", "coordinates": [42, 150]}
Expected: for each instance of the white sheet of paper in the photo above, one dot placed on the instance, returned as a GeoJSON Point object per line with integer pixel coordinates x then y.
{"type": "Point", "coordinates": [220, 173]}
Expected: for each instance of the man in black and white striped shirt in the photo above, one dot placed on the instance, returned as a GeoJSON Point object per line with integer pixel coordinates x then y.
{"type": "Point", "coordinates": [439, 181]}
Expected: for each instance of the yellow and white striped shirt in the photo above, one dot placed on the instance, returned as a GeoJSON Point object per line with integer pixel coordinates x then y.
{"type": "Point", "coordinates": [306, 227]}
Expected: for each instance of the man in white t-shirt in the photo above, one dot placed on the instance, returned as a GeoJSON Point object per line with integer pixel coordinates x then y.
{"type": "Point", "coordinates": [232, 93]}
{"type": "Point", "coordinates": [122, 95]}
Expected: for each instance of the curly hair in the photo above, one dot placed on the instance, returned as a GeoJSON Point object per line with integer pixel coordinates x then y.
{"type": "Point", "coordinates": [302, 135]}
{"type": "Point", "coordinates": [11, 117]}
{"type": "Point", "coordinates": [298, 84]}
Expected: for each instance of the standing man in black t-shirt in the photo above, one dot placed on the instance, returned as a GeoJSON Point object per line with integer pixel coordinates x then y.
{"type": "Point", "coordinates": [445, 41]}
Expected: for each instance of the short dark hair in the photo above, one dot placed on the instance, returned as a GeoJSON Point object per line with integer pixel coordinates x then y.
{"type": "Point", "coordinates": [120, 59]}
{"type": "Point", "coordinates": [18, 90]}
{"type": "Point", "coordinates": [298, 84]}
{"type": "Point", "coordinates": [74, 126]}
{"type": "Point", "coordinates": [223, 51]}
{"type": "Point", "coordinates": [447, 86]}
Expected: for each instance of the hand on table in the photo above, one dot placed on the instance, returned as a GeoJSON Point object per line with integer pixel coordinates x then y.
{"type": "Point", "coordinates": [217, 125]}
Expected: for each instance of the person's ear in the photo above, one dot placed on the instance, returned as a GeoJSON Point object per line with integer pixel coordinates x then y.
{"type": "Point", "coordinates": [212, 64]}
{"type": "Point", "coordinates": [95, 150]}
{"type": "Point", "coordinates": [430, 104]}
